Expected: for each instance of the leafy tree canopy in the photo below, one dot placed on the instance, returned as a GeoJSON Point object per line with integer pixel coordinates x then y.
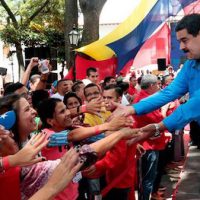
{"type": "Point", "coordinates": [35, 26]}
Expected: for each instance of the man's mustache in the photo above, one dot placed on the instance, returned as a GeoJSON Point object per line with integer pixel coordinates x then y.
{"type": "Point", "coordinates": [185, 50]}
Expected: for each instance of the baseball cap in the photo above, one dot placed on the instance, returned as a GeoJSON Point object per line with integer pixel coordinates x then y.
{"type": "Point", "coordinates": [8, 119]}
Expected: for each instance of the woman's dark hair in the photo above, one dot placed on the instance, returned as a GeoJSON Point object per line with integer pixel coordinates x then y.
{"type": "Point", "coordinates": [11, 88]}
{"type": "Point", "coordinates": [38, 96]}
{"type": "Point", "coordinates": [71, 94]}
{"type": "Point", "coordinates": [11, 102]}
{"type": "Point", "coordinates": [46, 109]}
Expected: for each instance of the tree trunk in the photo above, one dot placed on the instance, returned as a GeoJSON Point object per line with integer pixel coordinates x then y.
{"type": "Point", "coordinates": [19, 59]}
{"type": "Point", "coordinates": [71, 18]}
{"type": "Point", "coordinates": [91, 11]}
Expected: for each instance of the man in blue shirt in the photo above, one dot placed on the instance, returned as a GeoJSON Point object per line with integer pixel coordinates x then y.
{"type": "Point", "coordinates": [188, 80]}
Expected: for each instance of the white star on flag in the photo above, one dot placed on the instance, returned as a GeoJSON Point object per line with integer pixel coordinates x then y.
{"type": "Point", "coordinates": [3, 116]}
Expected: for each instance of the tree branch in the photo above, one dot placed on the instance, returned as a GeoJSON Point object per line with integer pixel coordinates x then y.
{"type": "Point", "coordinates": [37, 11]}
{"type": "Point", "coordinates": [10, 13]}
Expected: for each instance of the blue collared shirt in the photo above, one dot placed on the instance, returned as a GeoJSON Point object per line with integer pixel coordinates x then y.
{"type": "Point", "coordinates": [188, 80]}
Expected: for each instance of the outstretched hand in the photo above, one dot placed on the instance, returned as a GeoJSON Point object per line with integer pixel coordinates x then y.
{"type": "Point", "coordinates": [61, 176]}
{"type": "Point", "coordinates": [143, 134]}
{"type": "Point", "coordinates": [119, 122]}
{"type": "Point", "coordinates": [65, 171]}
{"type": "Point", "coordinates": [27, 155]}
{"type": "Point", "coordinates": [121, 109]}
{"type": "Point", "coordinates": [94, 106]}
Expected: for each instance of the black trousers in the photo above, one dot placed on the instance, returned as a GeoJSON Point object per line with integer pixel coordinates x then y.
{"type": "Point", "coordinates": [117, 194]}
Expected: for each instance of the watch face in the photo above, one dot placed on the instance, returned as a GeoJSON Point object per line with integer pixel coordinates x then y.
{"type": "Point", "coordinates": [157, 134]}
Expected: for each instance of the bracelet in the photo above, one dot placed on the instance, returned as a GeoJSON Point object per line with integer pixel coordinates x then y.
{"type": "Point", "coordinates": [5, 162]}
{"type": "Point", "coordinates": [83, 108]}
{"type": "Point", "coordinates": [96, 130]}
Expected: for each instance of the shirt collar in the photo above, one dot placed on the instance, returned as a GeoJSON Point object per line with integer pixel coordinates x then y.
{"type": "Point", "coordinates": [196, 64]}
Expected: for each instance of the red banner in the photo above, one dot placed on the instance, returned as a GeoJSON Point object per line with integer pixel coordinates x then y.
{"type": "Point", "coordinates": [105, 67]}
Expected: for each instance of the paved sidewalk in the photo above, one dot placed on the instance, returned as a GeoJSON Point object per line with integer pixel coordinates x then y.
{"type": "Point", "coordinates": [189, 185]}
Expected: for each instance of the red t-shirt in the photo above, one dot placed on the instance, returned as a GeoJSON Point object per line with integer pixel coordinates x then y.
{"type": "Point", "coordinates": [153, 117]}
{"type": "Point", "coordinates": [132, 90]}
{"type": "Point", "coordinates": [53, 153]}
{"type": "Point", "coordinates": [120, 158]}
{"type": "Point", "coordinates": [10, 184]}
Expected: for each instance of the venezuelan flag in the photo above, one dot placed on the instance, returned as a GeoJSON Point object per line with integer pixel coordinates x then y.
{"type": "Point", "coordinates": [127, 39]}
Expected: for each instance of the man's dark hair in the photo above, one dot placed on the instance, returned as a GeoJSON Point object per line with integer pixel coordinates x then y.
{"type": "Point", "coordinates": [76, 86]}
{"type": "Point", "coordinates": [89, 70]}
{"type": "Point", "coordinates": [124, 86]}
{"type": "Point", "coordinates": [11, 88]}
{"type": "Point", "coordinates": [191, 23]}
{"type": "Point", "coordinates": [139, 80]}
{"type": "Point", "coordinates": [91, 85]}
{"type": "Point", "coordinates": [46, 110]}
{"type": "Point", "coordinates": [107, 79]}
{"type": "Point", "coordinates": [117, 89]}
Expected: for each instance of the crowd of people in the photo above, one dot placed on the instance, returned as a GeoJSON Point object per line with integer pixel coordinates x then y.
{"type": "Point", "coordinates": [96, 139]}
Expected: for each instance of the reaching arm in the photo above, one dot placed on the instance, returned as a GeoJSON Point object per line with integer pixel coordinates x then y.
{"type": "Point", "coordinates": [61, 176]}
{"type": "Point", "coordinates": [184, 114]}
{"type": "Point", "coordinates": [27, 155]}
{"type": "Point", "coordinates": [85, 132]}
{"type": "Point", "coordinates": [92, 107]}
{"type": "Point", "coordinates": [26, 75]}
{"type": "Point", "coordinates": [175, 90]}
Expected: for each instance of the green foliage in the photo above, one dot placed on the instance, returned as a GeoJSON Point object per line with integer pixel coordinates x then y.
{"type": "Point", "coordinates": [45, 29]}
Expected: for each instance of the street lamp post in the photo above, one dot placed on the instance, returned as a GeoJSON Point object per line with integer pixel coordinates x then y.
{"type": "Point", "coordinates": [74, 38]}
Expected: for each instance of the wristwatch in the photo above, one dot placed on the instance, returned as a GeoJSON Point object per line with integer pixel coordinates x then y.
{"type": "Point", "coordinates": [157, 132]}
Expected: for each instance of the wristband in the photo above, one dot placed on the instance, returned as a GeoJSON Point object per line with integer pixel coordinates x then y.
{"type": "Point", "coordinates": [83, 108]}
{"type": "Point", "coordinates": [5, 162]}
{"type": "Point", "coordinates": [96, 130]}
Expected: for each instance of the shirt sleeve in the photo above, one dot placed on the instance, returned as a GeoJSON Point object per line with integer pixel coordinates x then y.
{"type": "Point", "coordinates": [113, 158]}
{"type": "Point", "coordinates": [184, 114]}
{"type": "Point", "coordinates": [175, 90]}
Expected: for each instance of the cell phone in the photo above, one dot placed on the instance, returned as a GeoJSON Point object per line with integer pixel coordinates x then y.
{"type": "Point", "coordinates": [44, 67]}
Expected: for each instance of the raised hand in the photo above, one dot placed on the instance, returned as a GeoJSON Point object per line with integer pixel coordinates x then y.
{"type": "Point", "coordinates": [119, 122]}
{"type": "Point", "coordinates": [65, 171]}
{"type": "Point", "coordinates": [94, 106]}
{"type": "Point", "coordinates": [27, 155]}
{"type": "Point", "coordinates": [61, 176]}
{"type": "Point", "coordinates": [122, 110]}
